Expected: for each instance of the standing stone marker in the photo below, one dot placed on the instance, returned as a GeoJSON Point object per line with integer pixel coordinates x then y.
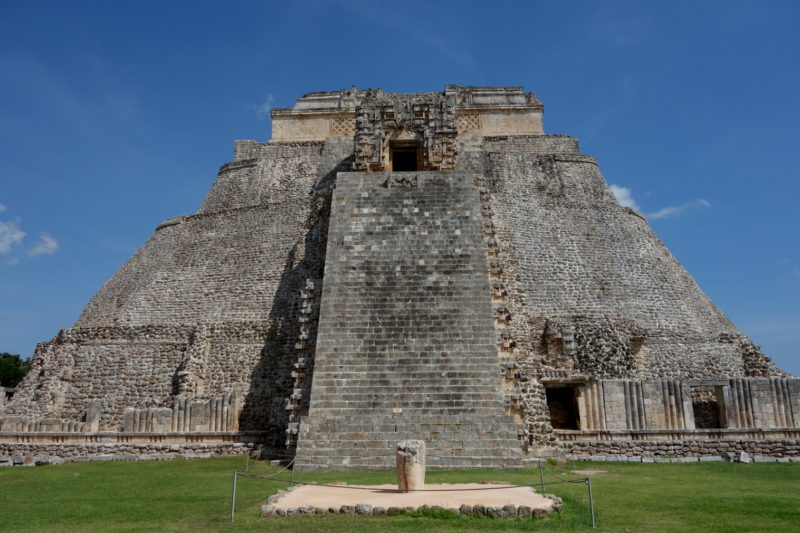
{"type": "Point", "coordinates": [410, 457]}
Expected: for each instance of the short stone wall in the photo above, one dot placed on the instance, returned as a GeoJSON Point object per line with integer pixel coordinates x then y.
{"type": "Point", "coordinates": [37, 454]}
{"type": "Point", "coordinates": [683, 451]}
{"type": "Point", "coordinates": [20, 448]}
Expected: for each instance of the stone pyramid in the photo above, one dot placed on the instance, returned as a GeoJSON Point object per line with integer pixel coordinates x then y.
{"type": "Point", "coordinates": [392, 266]}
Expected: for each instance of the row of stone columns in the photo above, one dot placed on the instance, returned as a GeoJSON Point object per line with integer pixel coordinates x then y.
{"type": "Point", "coordinates": [667, 404]}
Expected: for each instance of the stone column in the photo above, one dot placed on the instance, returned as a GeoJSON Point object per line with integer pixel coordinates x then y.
{"type": "Point", "coordinates": [410, 459]}
{"type": "Point", "coordinates": [93, 410]}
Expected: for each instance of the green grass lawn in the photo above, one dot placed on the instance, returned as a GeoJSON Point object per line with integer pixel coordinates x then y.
{"type": "Point", "coordinates": [194, 495]}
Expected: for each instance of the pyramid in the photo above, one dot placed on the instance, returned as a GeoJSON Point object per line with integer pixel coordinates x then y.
{"type": "Point", "coordinates": [405, 265]}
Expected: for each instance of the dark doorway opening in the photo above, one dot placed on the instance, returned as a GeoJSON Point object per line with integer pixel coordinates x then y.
{"type": "Point", "coordinates": [563, 406]}
{"type": "Point", "coordinates": [706, 407]}
{"type": "Point", "coordinates": [405, 157]}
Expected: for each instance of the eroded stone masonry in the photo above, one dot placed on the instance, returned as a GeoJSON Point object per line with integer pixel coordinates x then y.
{"type": "Point", "coordinates": [392, 266]}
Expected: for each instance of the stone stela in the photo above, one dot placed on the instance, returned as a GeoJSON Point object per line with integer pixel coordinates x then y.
{"type": "Point", "coordinates": [410, 465]}
{"type": "Point", "coordinates": [396, 267]}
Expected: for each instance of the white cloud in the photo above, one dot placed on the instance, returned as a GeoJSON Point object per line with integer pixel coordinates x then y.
{"type": "Point", "coordinates": [796, 271]}
{"type": "Point", "coordinates": [262, 110]}
{"type": "Point", "coordinates": [2, 208]}
{"type": "Point", "coordinates": [47, 245]}
{"type": "Point", "coordinates": [674, 210]}
{"type": "Point", "coordinates": [624, 196]}
{"type": "Point", "coordinates": [10, 235]}
{"type": "Point", "coordinates": [425, 31]}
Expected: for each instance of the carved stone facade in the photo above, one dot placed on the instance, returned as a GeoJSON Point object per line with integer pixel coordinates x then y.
{"type": "Point", "coordinates": [428, 120]}
{"type": "Point", "coordinates": [480, 289]}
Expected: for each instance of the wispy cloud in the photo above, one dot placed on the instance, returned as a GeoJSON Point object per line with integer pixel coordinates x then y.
{"type": "Point", "coordinates": [262, 110]}
{"type": "Point", "coordinates": [675, 210]}
{"type": "Point", "coordinates": [47, 245]}
{"type": "Point", "coordinates": [418, 29]}
{"type": "Point", "coordinates": [10, 235]}
{"type": "Point", "coordinates": [796, 271]}
{"type": "Point", "coordinates": [625, 198]}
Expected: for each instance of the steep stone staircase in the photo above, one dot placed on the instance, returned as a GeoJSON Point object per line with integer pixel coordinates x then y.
{"type": "Point", "coordinates": [406, 346]}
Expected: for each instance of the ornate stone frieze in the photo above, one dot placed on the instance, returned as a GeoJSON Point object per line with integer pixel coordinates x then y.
{"type": "Point", "coordinates": [427, 119]}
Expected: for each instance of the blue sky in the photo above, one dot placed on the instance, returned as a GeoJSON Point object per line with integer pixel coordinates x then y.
{"type": "Point", "coordinates": [115, 116]}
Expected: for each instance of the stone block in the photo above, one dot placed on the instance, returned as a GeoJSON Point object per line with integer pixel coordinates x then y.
{"type": "Point", "coordinates": [764, 459]}
{"type": "Point", "coordinates": [493, 511]}
{"type": "Point", "coordinates": [363, 508]}
{"type": "Point", "coordinates": [744, 457]}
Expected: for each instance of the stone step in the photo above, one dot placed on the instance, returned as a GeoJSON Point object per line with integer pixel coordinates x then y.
{"type": "Point", "coordinates": [408, 414]}
{"type": "Point", "coordinates": [409, 418]}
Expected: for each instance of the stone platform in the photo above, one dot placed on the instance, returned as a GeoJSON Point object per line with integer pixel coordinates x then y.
{"type": "Point", "coordinates": [484, 499]}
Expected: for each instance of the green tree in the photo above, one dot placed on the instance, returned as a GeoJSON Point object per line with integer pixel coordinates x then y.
{"type": "Point", "coordinates": [12, 369]}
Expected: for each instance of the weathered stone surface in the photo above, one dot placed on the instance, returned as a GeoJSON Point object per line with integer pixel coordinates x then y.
{"type": "Point", "coordinates": [744, 457]}
{"type": "Point", "coordinates": [363, 508]}
{"type": "Point", "coordinates": [509, 511]}
{"type": "Point", "coordinates": [410, 459]}
{"type": "Point", "coordinates": [495, 512]}
{"type": "Point", "coordinates": [456, 298]}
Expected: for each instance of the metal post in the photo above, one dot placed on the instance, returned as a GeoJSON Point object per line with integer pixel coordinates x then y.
{"type": "Point", "coordinates": [233, 495]}
{"type": "Point", "coordinates": [591, 502]}
{"type": "Point", "coordinates": [292, 478]}
{"type": "Point", "coordinates": [541, 474]}
{"type": "Point", "coordinates": [247, 465]}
